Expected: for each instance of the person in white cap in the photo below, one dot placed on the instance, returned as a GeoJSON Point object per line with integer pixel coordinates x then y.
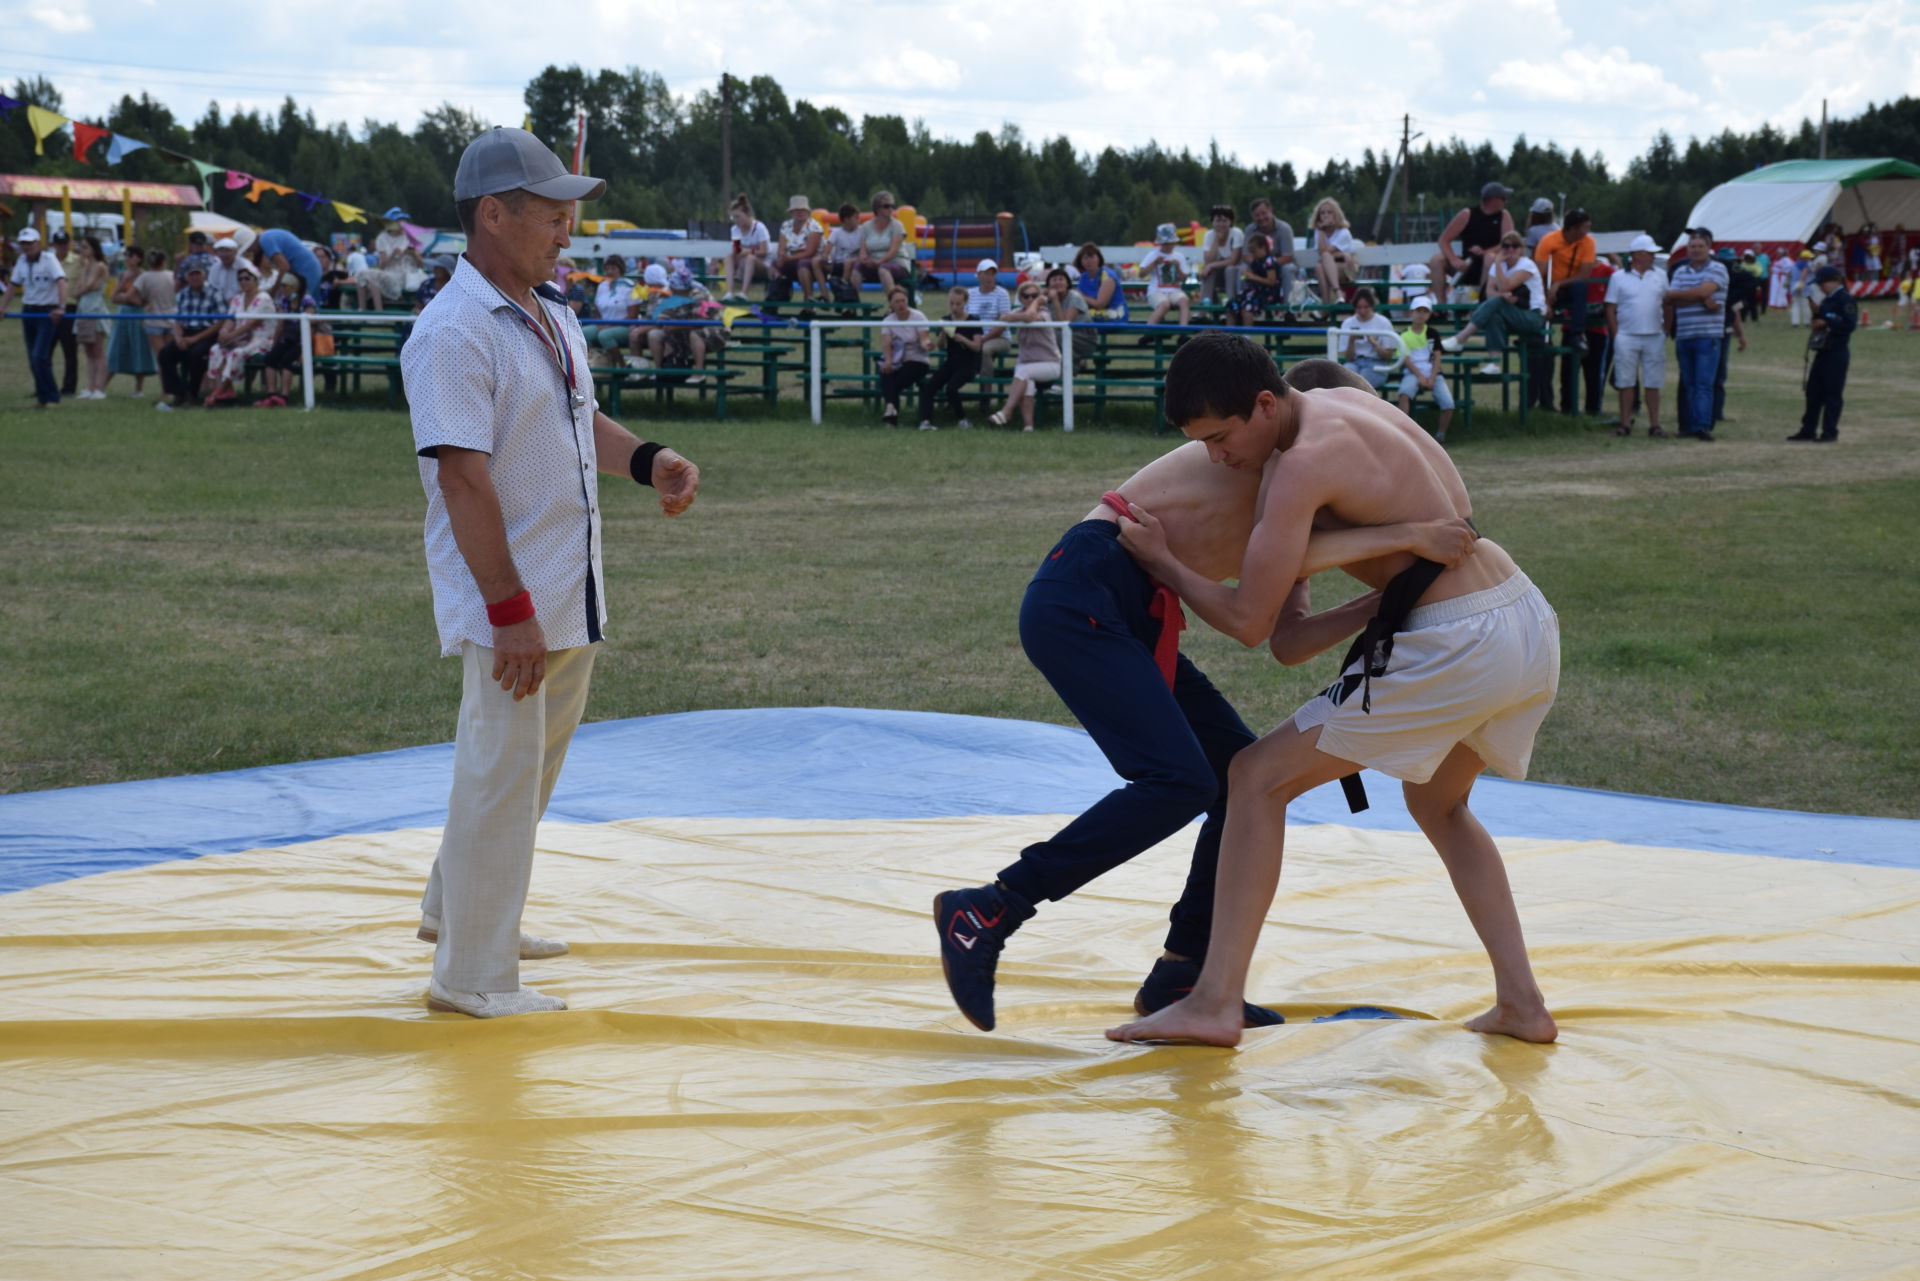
{"type": "Point", "coordinates": [510, 441]}
{"type": "Point", "coordinates": [987, 301]}
{"type": "Point", "coordinates": [1636, 323]}
{"type": "Point", "coordinates": [798, 253]}
{"type": "Point", "coordinates": [1540, 221]}
{"type": "Point", "coordinates": [653, 284]}
{"type": "Point", "coordinates": [41, 282]}
{"type": "Point", "coordinates": [223, 278]}
{"type": "Point", "coordinates": [1166, 274]}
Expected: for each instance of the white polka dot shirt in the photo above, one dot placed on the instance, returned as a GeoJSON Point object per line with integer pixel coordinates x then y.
{"type": "Point", "coordinates": [478, 378]}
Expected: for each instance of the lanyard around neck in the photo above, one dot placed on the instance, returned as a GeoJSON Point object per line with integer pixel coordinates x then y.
{"type": "Point", "coordinates": [547, 334]}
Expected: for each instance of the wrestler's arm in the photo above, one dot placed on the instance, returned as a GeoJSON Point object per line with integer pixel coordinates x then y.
{"type": "Point", "coordinates": [1300, 634]}
{"type": "Point", "coordinates": [675, 479]}
{"type": "Point", "coordinates": [1445, 542]}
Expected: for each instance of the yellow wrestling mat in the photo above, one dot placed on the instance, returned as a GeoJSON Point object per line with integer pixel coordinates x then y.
{"type": "Point", "coordinates": [222, 1068]}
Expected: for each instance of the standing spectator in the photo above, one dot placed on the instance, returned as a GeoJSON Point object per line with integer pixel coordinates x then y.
{"type": "Point", "coordinates": [183, 360]}
{"type": "Point", "coordinates": [1696, 310]}
{"type": "Point", "coordinates": [1800, 289]}
{"type": "Point", "coordinates": [63, 333]}
{"type": "Point", "coordinates": [884, 254]}
{"type": "Point", "coordinates": [1589, 364]}
{"type": "Point", "coordinates": [1779, 279]}
{"type": "Point", "coordinates": [1636, 323]}
{"type": "Point", "coordinates": [1732, 331]}
{"type": "Point", "coordinates": [1565, 256]}
{"type": "Point", "coordinates": [155, 289]}
{"type": "Point", "coordinates": [798, 257]}
{"type": "Point", "coordinates": [249, 333]}
{"type": "Point", "coordinates": [385, 280]}
{"type": "Point", "coordinates": [843, 246]}
{"type": "Point", "coordinates": [960, 365]}
{"type": "Point", "coordinates": [1220, 257]}
{"type": "Point", "coordinates": [282, 251]}
{"type": "Point", "coordinates": [1833, 326]}
{"type": "Point", "coordinates": [282, 359]}
{"type": "Point", "coordinates": [1279, 235]}
{"type": "Point", "coordinates": [1539, 223]}
{"type": "Point", "coordinates": [1038, 360]}
{"type": "Point", "coordinates": [1516, 302]}
{"type": "Point", "coordinates": [87, 293]}
{"type": "Point", "coordinates": [513, 542]}
{"type": "Point", "coordinates": [223, 275]}
{"type": "Point", "coordinates": [41, 283]}
{"type": "Point", "coordinates": [1479, 229]}
{"type": "Point", "coordinates": [199, 254]}
{"type": "Point", "coordinates": [1368, 345]}
{"type": "Point", "coordinates": [1166, 273]}
{"type": "Point", "coordinates": [1261, 289]}
{"type": "Point", "coordinates": [988, 302]}
{"type": "Point", "coordinates": [903, 352]}
{"type": "Point", "coordinates": [1420, 357]}
{"type": "Point", "coordinates": [1100, 284]}
{"type": "Point", "coordinates": [128, 351]}
{"type": "Point", "coordinates": [752, 253]}
{"type": "Point", "coordinates": [1337, 261]}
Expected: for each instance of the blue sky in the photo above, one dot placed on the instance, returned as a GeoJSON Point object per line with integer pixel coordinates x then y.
{"type": "Point", "coordinates": [1267, 81]}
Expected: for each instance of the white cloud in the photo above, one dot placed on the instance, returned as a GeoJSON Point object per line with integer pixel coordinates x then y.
{"type": "Point", "coordinates": [63, 20]}
{"type": "Point", "coordinates": [1590, 77]}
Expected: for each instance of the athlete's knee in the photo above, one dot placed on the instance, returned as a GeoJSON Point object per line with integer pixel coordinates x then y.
{"type": "Point", "coordinates": [1432, 807]}
{"type": "Point", "coordinates": [1260, 771]}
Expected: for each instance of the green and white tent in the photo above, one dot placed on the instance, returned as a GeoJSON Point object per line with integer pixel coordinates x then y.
{"type": "Point", "coordinates": [1786, 203]}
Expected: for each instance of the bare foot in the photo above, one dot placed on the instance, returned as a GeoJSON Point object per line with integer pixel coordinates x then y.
{"type": "Point", "coordinates": [1185, 1022]}
{"type": "Point", "coordinates": [1532, 1023]}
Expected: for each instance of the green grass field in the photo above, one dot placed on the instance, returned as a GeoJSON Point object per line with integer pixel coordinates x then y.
{"type": "Point", "coordinates": [204, 591]}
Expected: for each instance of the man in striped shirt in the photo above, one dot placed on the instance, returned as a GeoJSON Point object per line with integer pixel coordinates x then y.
{"type": "Point", "coordinates": [1696, 300]}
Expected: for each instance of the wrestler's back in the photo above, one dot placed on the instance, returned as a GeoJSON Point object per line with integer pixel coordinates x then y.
{"type": "Point", "coordinates": [1388, 471]}
{"type": "Point", "coordinates": [1207, 510]}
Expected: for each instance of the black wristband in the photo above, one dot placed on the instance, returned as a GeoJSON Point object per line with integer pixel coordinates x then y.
{"type": "Point", "coordinates": [642, 466]}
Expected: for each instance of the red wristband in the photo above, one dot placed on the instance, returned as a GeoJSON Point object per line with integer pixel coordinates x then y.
{"type": "Point", "coordinates": [514, 609]}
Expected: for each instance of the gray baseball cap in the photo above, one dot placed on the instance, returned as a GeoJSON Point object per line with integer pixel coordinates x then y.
{"type": "Point", "coordinates": [1489, 191]}
{"type": "Point", "coordinates": [506, 159]}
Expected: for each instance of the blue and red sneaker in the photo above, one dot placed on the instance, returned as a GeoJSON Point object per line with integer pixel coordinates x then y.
{"type": "Point", "coordinates": [1170, 980]}
{"type": "Point", "coordinates": [974, 926]}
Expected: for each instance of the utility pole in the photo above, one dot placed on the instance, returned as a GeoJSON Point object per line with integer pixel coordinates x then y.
{"type": "Point", "coordinates": [1823, 128]}
{"type": "Point", "coordinates": [1406, 164]}
{"type": "Point", "coordinates": [726, 140]}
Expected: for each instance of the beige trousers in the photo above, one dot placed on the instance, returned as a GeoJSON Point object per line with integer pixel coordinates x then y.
{"type": "Point", "coordinates": [506, 758]}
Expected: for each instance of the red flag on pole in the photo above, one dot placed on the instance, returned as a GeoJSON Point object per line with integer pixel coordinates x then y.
{"type": "Point", "coordinates": [85, 136]}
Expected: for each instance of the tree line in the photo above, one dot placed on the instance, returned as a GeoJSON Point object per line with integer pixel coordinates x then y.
{"type": "Point", "coordinates": [661, 156]}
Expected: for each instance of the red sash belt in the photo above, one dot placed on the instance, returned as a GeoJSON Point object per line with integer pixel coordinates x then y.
{"type": "Point", "coordinates": [1165, 608]}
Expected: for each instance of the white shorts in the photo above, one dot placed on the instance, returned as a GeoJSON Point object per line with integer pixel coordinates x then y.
{"type": "Point", "coordinates": [1039, 371]}
{"type": "Point", "coordinates": [1171, 297]}
{"type": "Point", "coordinates": [1640, 359]}
{"type": "Point", "coordinates": [1480, 670]}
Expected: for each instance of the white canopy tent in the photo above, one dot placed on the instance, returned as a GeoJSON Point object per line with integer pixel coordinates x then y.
{"type": "Point", "coordinates": [1788, 203]}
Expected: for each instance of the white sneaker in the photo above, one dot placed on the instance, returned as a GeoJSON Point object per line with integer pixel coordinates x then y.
{"type": "Point", "coordinates": [532, 946]}
{"type": "Point", "coordinates": [136, 395]}
{"type": "Point", "coordinates": [1452, 343]}
{"type": "Point", "coordinates": [163, 406]}
{"type": "Point", "coordinates": [964, 425]}
{"type": "Point", "coordinates": [1491, 368]}
{"type": "Point", "coordinates": [928, 427]}
{"type": "Point", "coordinates": [491, 1005]}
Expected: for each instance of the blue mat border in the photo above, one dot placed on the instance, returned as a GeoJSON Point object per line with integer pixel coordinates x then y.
{"type": "Point", "coordinates": [809, 763]}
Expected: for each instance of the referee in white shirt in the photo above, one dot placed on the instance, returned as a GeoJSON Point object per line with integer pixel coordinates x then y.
{"type": "Point", "coordinates": [495, 367]}
{"type": "Point", "coordinates": [41, 282]}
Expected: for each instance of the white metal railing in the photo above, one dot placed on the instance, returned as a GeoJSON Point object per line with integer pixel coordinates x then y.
{"type": "Point", "coordinates": [816, 366]}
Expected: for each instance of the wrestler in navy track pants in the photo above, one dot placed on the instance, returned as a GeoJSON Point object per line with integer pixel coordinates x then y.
{"type": "Point", "coordinates": [1085, 625]}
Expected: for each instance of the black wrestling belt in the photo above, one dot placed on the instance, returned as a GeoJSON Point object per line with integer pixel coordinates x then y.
{"type": "Point", "coordinates": [1374, 645]}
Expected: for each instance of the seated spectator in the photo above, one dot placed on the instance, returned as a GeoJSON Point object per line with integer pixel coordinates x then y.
{"type": "Point", "coordinates": [183, 360]}
{"type": "Point", "coordinates": [283, 357]}
{"type": "Point", "coordinates": [653, 286]}
{"type": "Point", "coordinates": [988, 302]}
{"type": "Point", "coordinates": [798, 259]}
{"type": "Point", "coordinates": [752, 249]}
{"type": "Point", "coordinates": [223, 276]}
{"type": "Point", "coordinates": [1220, 256]}
{"type": "Point", "coordinates": [903, 352]}
{"type": "Point", "coordinates": [884, 254]}
{"type": "Point", "coordinates": [1516, 302]}
{"type": "Point", "coordinates": [1540, 221]}
{"type": "Point", "coordinates": [1478, 229]}
{"type": "Point", "coordinates": [249, 333]}
{"type": "Point", "coordinates": [961, 365]}
{"type": "Point", "coordinates": [1368, 345]}
{"type": "Point", "coordinates": [1070, 305]}
{"type": "Point", "coordinates": [1565, 256]}
{"type": "Point", "coordinates": [678, 346]}
{"type": "Point", "coordinates": [439, 276]}
{"type": "Point", "coordinates": [1336, 261]}
{"type": "Point", "coordinates": [385, 280]}
{"type": "Point", "coordinates": [326, 290]}
{"type": "Point", "coordinates": [612, 300]}
{"type": "Point", "coordinates": [357, 259]}
{"type": "Point", "coordinates": [1420, 353]}
{"type": "Point", "coordinates": [843, 246]}
{"type": "Point", "coordinates": [1261, 290]}
{"type": "Point", "coordinates": [1279, 234]}
{"type": "Point", "coordinates": [1038, 360]}
{"type": "Point", "coordinates": [1166, 275]}
{"type": "Point", "coordinates": [1100, 284]}
{"type": "Point", "coordinates": [199, 254]}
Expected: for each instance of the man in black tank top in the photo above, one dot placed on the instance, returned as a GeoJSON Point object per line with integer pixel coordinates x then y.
{"type": "Point", "coordinates": [1478, 229]}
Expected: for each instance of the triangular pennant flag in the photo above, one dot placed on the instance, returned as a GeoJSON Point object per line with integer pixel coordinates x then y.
{"type": "Point", "coordinates": [8, 104]}
{"type": "Point", "coordinates": [206, 174]}
{"type": "Point", "coordinates": [349, 213]}
{"type": "Point", "coordinates": [42, 122]}
{"type": "Point", "coordinates": [121, 145]}
{"type": "Point", "coordinates": [731, 314]}
{"type": "Point", "coordinates": [261, 184]}
{"type": "Point", "coordinates": [236, 180]}
{"type": "Point", "coordinates": [85, 136]}
{"type": "Point", "coordinates": [312, 202]}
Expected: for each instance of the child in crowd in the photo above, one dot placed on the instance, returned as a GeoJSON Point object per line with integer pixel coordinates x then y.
{"type": "Point", "coordinates": [290, 297]}
{"type": "Point", "coordinates": [1166, 275]}
{"type": "Point", "coordinates": [1259, 282]}
{"type": "Point", "coordinates": [843, 245]}
{"type": "Point", "coordinates": [961, 340]}
{"type": "Point", "coordinates": [1420, 354]}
